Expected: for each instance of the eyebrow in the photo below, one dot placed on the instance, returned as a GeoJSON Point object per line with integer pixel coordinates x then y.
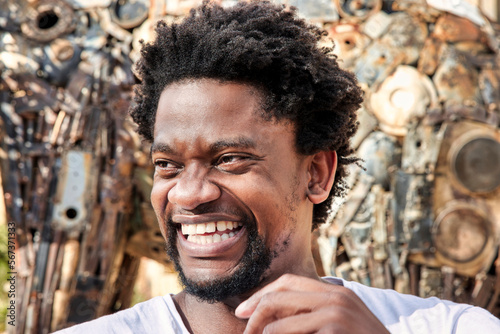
{"type": "Point", "coordinates": [239, 142]}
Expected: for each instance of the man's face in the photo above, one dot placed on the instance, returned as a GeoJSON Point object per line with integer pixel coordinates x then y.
{"type": "Point", "coordinates": [229, 189]}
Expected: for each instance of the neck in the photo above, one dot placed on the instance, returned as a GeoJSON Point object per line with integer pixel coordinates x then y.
{"type": "Point", "coordinates": [203, 317]}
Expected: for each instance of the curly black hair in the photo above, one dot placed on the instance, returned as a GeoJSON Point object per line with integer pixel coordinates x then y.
{"type": "Point", "coordinates": [266, 46]}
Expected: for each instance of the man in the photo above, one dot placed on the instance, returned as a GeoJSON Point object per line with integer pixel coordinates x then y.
{"type": "Point", "coordinates": [250, 124]}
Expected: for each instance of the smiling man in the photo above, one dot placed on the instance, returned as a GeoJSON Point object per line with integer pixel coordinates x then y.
{"type": "Point", "coordinates": [250, 123]}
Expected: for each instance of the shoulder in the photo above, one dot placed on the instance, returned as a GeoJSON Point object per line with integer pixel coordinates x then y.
{"type": "Point", "coordinates": [157, 315]}
{"type": "Point", "coordinates": [402, 313]}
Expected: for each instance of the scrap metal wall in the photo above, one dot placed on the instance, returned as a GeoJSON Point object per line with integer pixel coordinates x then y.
{"type": "Point", "coordinates": [421, 218]}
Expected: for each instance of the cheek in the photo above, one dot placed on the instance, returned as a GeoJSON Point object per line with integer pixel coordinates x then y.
{"type": "Point", "coordinates": [159, 197]}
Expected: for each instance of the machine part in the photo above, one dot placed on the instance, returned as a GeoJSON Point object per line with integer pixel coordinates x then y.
{"type": "Point", "coordinates": [377, 24]}
{"type": "Point", "coordinates": [417, 221]}
{"type": "Point", "coordinates": [358, 9]}
{"type": "Point", "coordinates": [417, 8]}
{"type": "Point", "coordinates": [47, 20]}
{"type": "Point", "coordinates": [129, 14]}
{"type": "Point", "coordinates": [381, 152]}
{"type": "Point", "coordinates": [349, 43]}
{"type": "Point", "coordinates": [421, 147]}
{"type": "Point", "coordinates": [377, 62]}
{"type": "Point", "coordinates": [466, 192]}
{"type": "Point", "coordinates": [451, 29]}
{"type": "Point", "coordinates": [74, 191]}
{"type": "Point", "coordinates": [316, 10]}
{"type": "Point", "coordinates": [86, 4]}
{"type": "Point", "coordinates": [17, 55]}
{"type": "Point", "coordinates": [456, 81]}
{"type": "Point", "coordinates": [403, 96]}
{"type": "Point", "coordinates": [474, 160]}
{"type": "Point", "coordinates": [61, 56]}
{"type": "Point", "coordinates": [463, 237]}
{"type": "Point", "coordinates": [63, 50]}
{"type": "Point", "coordinates": [430, 55]}
{"type": "Point", "coordinates": [407, 34]}
{"type": "Point", "coordinates": [460, 8]}
{"type": "Point", "coordinates": [430, 284]}
{"type": "Point", "coordinates": [32, 94]}
{"type": "Point", "coordinates": [489, 83]}
{"type": "Point", "coordinates": [355, 199]}
{"type": "Point", "coordinates": [367, 124]}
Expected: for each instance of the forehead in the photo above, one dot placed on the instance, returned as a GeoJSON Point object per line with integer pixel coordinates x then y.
{"type": "Point", "coordinates": [208, 111]}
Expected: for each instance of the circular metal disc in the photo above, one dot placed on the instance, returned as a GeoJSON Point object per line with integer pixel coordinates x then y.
{"type": "Point", "coordinates": [461, 234]}
{"type": "Point", "coordinates": [476, 165]}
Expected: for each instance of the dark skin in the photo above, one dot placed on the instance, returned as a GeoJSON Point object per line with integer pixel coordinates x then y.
{"type": "Point", "coordinates": [212, 149]}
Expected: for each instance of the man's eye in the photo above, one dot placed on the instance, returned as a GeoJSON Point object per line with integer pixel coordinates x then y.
{"type": "Point", "coordinates": [166, 167]}
{"type": "Point", "coordinates": [163, 164]}
{"type": "Point", "coordinates": [230, 159]}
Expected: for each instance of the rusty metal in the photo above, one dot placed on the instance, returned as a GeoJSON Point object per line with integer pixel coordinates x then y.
{"type": "Point", "coordinates": [129, 14]}
{"type": "Point", "coordinates": [403, 96]}
{"type": "Point", "coordinates": [442, 224]}
{"type": "Point", "coordinates": [359, 9]}
{"type": "Point", "coordinates": [349, 43]}
{"type": "Point", "coordinates": [46, 20]}
{"type": "Point", "coordinates": [429, 133]}
{"type": "Point", "coordinates": [407, 34]}
{"type": "Point", "coordinates": [456, 80]}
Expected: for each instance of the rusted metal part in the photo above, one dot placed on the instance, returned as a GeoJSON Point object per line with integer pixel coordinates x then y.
{"type": "Point", "coordinates": [129, 14]}
{"type": "Point", "coordinates": [403, 96]}
{"type": "Point", "coordinates": [377, 62]}
{"type": "Point", "coordinates": [407, 34]}
{"type": "Point", "coordinates": [48, 19]}
{"type": "Point", "coordinates": [456, 80]}
{"type": "Point", "coordinates": [489, 83]}
{"type": "Point", "coordinates": [358, 9]}
{"type": "Point", "coordinates": [417, 8]}
{"type": "Point", "coordinates": [315, 10]}
{"type": "Point", "coordinates": [430, 55]}
{"type": "Point", "coordinates": [451, 29]}
{"type": "Point", "coordinates": [349, 43]}
{"type": "Point", "coordinates": [381, 152]}
{"type": "Point", "coordinates": [65, 87]}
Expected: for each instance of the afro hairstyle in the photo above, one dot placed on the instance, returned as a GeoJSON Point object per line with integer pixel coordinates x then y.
{"type": "Point", "coordinates": [269, 47]}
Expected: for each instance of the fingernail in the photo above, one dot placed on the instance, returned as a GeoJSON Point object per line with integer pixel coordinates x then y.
{"type": "Point", "coordinates": [241, 311]}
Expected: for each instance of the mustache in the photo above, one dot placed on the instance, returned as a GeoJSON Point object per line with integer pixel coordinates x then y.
{"type": "Point", "coordinates": [208, 208]}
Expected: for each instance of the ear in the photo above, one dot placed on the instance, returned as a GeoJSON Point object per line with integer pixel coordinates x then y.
{"type": "Point", "coordinates": [321, 175]}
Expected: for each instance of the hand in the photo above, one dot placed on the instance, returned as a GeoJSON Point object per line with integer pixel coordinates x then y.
{"type": "Point", "coordinates": [296, 304]}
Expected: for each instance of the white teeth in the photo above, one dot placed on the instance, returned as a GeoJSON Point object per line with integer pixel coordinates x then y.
{"type": "Point", "coordinates": [200, 228]}
{"type": "Point", "coordinates": [196, 232]}
{"type": "Point", "coordinates": [209, 239]}
{"type": "Point", "coordinates": [221, 226]}
{"type": "Point", "coordinates": [210, 227]}
{"type": "Point", "coordinates": [191, 229]}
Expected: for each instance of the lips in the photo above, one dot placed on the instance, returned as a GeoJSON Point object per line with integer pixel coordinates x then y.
{"type": "Point", "coordinates": [211, 232]}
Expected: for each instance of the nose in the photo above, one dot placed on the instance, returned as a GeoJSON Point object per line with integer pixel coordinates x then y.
{"type": "Point", "coordinates": [193, 189]}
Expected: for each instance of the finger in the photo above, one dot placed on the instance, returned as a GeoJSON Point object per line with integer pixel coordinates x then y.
{"type": "Point", "coordinates": [304, 323]}
{"type": "Point", "coordinates": [330, 319]}
{"type": "Point", "coordinates": [282, 304]}
{"type": "Point", "coordinates": [286, 282]}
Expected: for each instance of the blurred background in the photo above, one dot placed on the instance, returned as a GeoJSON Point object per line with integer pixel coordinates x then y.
{"type": "Point", "coordinates": [422, 217]}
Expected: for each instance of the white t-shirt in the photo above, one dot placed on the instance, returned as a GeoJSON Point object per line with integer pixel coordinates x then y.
{"type": "Point", "coordinates": [398, 312]}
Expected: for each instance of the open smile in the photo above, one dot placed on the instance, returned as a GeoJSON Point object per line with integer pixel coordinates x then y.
{"type": "Point", "coordinates": [212, 232]}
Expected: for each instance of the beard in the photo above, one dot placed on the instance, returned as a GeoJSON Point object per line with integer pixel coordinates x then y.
{"type": "Point", "coordinates": [249, 274]}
